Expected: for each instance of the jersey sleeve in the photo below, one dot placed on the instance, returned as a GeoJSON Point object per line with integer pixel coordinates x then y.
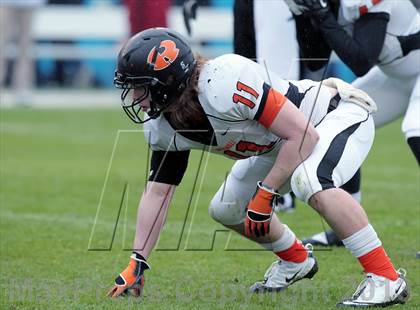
{"type": "Point", "coordinates": [162, 137]}
{"type": "Point", "coordinates": [159, 135]}
{"type": "Point", "coordinates": [235, 90]}
{"type": "Point", "coordinates": [270, 106]}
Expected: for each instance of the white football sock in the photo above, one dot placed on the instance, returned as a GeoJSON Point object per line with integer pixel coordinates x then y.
{"type": "Point", "coordinates": [283, 243]}
{"type": "Point", "coordinates": [363, 241]}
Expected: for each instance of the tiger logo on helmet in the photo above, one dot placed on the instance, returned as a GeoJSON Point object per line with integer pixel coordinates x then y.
{"type": "Point", "coordinates": [163, 56]}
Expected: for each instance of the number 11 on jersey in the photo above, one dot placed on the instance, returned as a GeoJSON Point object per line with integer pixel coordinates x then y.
{"type": "Point", "coordinates": [240, 99]}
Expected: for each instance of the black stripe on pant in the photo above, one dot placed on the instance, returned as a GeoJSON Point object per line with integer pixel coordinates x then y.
{"type": "Point", "coordinates": [332, 157]}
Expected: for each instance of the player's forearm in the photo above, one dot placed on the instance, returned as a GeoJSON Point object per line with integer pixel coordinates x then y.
{"type": "Point", "coordinates": [361, 51]}
{"type": "Point", "coordinates": [151, 216]}
{"type": "Point", "coordinates": [300, 138]}
{"type": "Point", "coordinates": [292, 153]}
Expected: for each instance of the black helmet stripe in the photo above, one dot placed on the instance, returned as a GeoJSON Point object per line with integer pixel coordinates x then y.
{"type": "Point", "coordinates": [154, 57]}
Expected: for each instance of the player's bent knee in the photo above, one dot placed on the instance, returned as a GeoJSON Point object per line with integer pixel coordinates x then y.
{"type": "Point", "coordinates": [314, 202]}
{"type": "Point", "coordinates": [226, 212]}
{"type": "Point", "coordinates": [302, 185]}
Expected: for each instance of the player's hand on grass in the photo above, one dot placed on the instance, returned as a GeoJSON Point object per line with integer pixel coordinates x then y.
{"type": "Point", "coordinates": [260, 211]}
{"type": "Point", "coordinates": [131, 280]}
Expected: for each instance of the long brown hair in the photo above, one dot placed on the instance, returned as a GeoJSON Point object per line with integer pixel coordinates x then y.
{"type": "Point", "coordinates": [186, 112]}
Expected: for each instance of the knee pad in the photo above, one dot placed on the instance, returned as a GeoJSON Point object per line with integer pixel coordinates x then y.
{"type": "Point", "coordinates": [302, 185]}
{"type": "Point", "coordinates": [226, 211]}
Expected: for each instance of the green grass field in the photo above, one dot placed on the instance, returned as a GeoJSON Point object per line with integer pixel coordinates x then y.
{"type": "Point", "coordinates": [55, 168]}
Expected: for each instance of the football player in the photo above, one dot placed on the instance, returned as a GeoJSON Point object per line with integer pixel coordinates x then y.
{"type": "Point", "coordinates": [304, 135]}
{"type": "Point", "coordinates": [380, 42]}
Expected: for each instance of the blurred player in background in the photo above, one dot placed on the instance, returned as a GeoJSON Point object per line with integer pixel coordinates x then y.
{"type": "Point", "coordinates": [234, 107]}
{"type": "Point", "coordinates": [144, 14]}
{"type": "Point", "coordinates": [256, 23]}
{"type": "Point", "coordinates": [379, 40]}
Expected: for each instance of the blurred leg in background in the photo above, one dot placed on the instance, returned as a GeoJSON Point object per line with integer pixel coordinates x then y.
{"type": "Point", "coordinates": [5, 34]}
{"type": "Point", "coordinates": [23, 73]}
{"type": "Point", "coordinates": [16, 26]}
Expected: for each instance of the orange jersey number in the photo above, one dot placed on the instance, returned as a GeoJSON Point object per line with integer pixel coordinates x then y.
{"type": "Point", "coordinates": [241, 99]}
{"type": "Point", "coordinates": [244, 146]}
{"type": "Point", "coordinates": [248, 146]}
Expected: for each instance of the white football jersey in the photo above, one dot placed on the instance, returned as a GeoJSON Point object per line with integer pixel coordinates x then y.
{"type": "Point", "coordinates": [404, 20]}
{"type": "Point", "coordinates": [241, 99]}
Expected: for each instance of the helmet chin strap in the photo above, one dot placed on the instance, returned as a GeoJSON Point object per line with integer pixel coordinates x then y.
{"type": "Point", "coordinates": [155, 112]}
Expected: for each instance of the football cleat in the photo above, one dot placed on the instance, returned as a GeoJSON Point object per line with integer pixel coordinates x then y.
{"type": "Point", "coordinates": [282, 273]}
{"type": "Point", "coordinates": [325, 238]}
{"type": "Point", "coordinates": [377, 291]}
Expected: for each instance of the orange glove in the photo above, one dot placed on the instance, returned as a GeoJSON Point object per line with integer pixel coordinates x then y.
{"type": "Point", "coordinates": [259, 211]}
{"type": "Point", "coordinates": [131, 280]}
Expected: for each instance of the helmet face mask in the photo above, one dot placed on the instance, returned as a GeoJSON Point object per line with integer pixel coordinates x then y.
{"type": "Point", "coordinates": [160, 62]}
{"type": "Point", "coordinates": [131, 102]}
